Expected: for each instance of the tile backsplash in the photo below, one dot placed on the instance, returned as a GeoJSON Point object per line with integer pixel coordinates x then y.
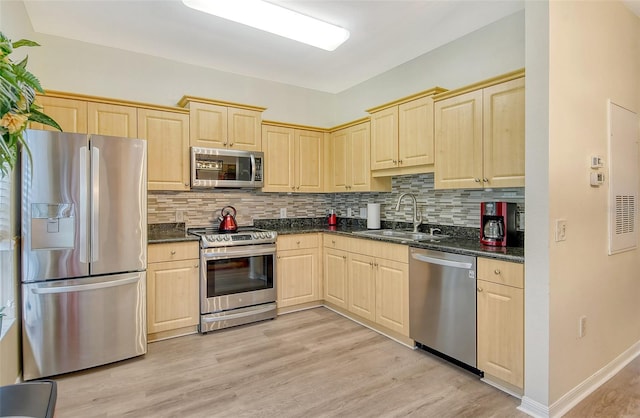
{"type": "Point", "coordinates": [444, 207]}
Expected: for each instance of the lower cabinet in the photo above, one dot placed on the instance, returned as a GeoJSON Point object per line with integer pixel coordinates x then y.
{"type": "Point", "coordinates": [173, 305]}
{"type": "Point", "coordinates": [501, 321]}
{"type": "Point", "coordinates": [369, 279]}
{"type": "Point", "coordinates": [298, 269]}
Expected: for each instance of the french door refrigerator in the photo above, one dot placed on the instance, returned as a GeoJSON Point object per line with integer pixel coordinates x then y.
{"type": "Point", "coordinates": [84, 237]}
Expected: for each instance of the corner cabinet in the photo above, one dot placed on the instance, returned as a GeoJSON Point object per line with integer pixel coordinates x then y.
{"type": "Point", "coordinates": [402, 135]}
{"type": "Point", "coordinates": [167, 135]}
{"type": "Point", "coordinates": [298, 270]}
{"type": "Point", "coordinates": [370, 280]}
{"type": "Point", "coordinates": [348, 164]}
{"type": "Point", "coordinates": [479, 135]}
{"type": "Point", "coordinates": [500, 288]}
{"type": "Point", "coordinates": [215, 124]}
{"type": "Point", "coordinates": [293, 159]}
{"type": "Point", "coordinates": [173, 304]}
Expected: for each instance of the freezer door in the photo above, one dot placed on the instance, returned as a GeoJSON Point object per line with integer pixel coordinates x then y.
{"type": "Point", "coordinates": [71, 325]}
{"type": "Point", "coordinates": [118, 205]}
{"type": "Point", "coordinates": [55, 207]}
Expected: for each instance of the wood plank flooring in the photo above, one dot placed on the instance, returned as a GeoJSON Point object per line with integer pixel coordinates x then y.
{"type": "Point", "coordinates": [313, 363]}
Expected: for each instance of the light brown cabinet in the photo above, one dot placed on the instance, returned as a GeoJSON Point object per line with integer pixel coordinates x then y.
{"type": "Point", "coordinates": [369, 279]}
{"type": "Point", "coordinates": [293, 159]}
{"type": "Point", "coordinates": [167, 135]}
{"type": "Point", "coordinates": [348, 165]}
{"type": "Point", "coordinates": [298, 269]}
{"type": "Point", "coordinates": [479, 135]}
{"type": "Point", "coordinates": [112, 120]}
{"type": "Point", "coordinates": [402, 139]}
{"type": "Point", "coordinates": [70, 114]}
{"type": "Point", "coordinates": [173, 306]}
{"type": "Point", "coordinates": [501, 321]}
{"type": "Point", "coordinates": [218, 125]}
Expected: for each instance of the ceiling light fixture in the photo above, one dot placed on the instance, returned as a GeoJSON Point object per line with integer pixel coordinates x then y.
{"type": "Point", "coordinates": [275, 19]}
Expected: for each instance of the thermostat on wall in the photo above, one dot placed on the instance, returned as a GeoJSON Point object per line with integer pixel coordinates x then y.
{"type": "Point", "coordinates": [597, 178]}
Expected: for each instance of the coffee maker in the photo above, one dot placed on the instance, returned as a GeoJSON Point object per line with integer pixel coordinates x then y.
{"type": "Point", "coordinates": [498, 223]}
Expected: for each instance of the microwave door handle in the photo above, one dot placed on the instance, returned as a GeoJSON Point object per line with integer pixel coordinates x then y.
{"type": "Point", "coordinates": [253, 169]}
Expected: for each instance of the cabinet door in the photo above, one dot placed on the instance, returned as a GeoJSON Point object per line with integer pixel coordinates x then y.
{"type": "Point", "coordinates": [415, 133]}
{"type": "Point", "coordinates": [70, 114]}
{"type": "Point", "coordinates": [503, 139]}
{"type": "Point", "coordinates": [112, 120]}
{"type": "Point", "coordinates": [244, 129]}
{"type": "Point", "coordinates": [172, 295]}
{"type": "Point", "coordinates": [339, 166]}
{"type": "Point", "coordinates": [392, 295]}
{"type": "Point", "coordinates": [362, 286]}
{"type": "Point", "coordinates": [359, 161]}
{"type": "Point", "coordinates": [384, 139]}
{"type": "Point", "coordinates": [208, 125]}
{"type": "Point", "coordinates": [167, 135]}
{"type": "Point", "coordinates": [298, 280]}
{"type": "Point", "coordinates": [308, 161]}
{"type": "Point", "coordinates": [458, 138]}
{"type": "Point", "coordinates": [335, 277]}
{"type": "Point", "coordinates": [278, 146]}
{"type": "Point", "coordinates": [501, 332]}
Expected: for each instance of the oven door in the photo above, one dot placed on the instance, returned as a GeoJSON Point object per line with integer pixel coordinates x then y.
{"type": "Point", "coordinates": [236, 277]}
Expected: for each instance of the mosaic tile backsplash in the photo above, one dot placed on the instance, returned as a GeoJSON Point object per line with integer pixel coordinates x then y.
{"type": "Point", "coordinates": [442, 207]}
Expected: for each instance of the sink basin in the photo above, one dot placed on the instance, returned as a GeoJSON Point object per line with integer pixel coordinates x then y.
{"type": "Point", "coordinates": [400, 235]}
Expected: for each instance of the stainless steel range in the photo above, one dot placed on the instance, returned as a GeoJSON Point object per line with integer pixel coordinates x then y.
{"type": "Point", "coordinates": [237, 277]}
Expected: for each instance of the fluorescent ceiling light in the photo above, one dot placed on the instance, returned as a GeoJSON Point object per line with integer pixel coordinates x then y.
{"type": "Point", "coordinates": [275, 19]}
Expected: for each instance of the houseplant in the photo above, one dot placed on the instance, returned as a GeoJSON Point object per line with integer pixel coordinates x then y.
{"type": "Point", "coordinates": [18, 88]}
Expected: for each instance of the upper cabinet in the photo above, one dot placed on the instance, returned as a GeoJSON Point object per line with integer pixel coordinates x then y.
{"type": "Point", "coordinates": [71, 114]}
{"type": "Point", "coordinates": [112, 120]}
{"type": "Point", "coordinates": [348, 163]}
{"type": "Point", "coordinates": [479, 135]}
{"type": "Point", "coordinates": [167, 135]}
{"type": "Point", "coordinates": [215, 124]}
{"type": "Point", "coordinates": [402, 135]}
{"type": "Point", "coordinates": [293, 159]}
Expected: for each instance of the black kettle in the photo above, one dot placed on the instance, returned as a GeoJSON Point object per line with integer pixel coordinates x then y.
{"type": "Point", "coordinates": [227, 220]}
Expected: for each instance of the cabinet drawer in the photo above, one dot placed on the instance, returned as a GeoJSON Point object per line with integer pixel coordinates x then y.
{"type": "Point", "coordinates": [337, 242]}
{"type": "Point", "coordinates": [171, 251]}
{"type": "Point", "coordinates": [297, 242]}
{"type": "Point", "coordinates": [502, 272]}
{"type": "Point", "coordinates": [384, 250]}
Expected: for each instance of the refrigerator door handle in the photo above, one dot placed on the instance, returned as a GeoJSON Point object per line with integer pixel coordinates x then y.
{"type": "Point", "coordinates": [84, 287]}
{"type": "Point", "coordinates": [95, 203]}
{"type": "Point", "coordinates": [83, 204]}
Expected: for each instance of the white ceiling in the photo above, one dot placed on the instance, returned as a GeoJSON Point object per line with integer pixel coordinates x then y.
{"type": "Point", "coordinates": [384, 34]}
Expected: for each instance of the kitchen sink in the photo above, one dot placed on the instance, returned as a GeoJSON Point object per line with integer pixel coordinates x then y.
{"type": "Point", "coordinates": [400, 235]}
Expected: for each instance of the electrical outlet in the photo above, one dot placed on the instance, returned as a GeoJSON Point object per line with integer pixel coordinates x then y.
{"type": "Point", "coordinates": [283, 212]}
{"type": "Point", "coordinates": [179, 216]}
{"type": "Point", "coordinates": [349, 212]}
{"type": "Point", "coordinates": [582, 326]}
{"type": "Point", "coordinates": [561, 230]}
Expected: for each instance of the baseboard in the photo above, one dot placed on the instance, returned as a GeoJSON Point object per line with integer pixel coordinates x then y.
{"type": "Point", "coordinates": [581, 391]}
{"type": "Point", "coordinates": [589, 385]}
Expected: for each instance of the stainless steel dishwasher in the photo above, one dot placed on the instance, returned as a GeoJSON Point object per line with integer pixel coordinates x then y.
{"type": "Point", "coordinates": [442, 305]}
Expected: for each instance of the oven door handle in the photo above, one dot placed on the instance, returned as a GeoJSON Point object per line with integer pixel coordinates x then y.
{"type": "Point", "coordinates": [237, 315]}
{"type": "Point", "coordinates": [271, 250]}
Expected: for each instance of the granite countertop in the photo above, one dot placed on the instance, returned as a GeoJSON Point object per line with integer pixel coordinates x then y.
{"type": "Point", "coordinates": [461, 240]}
{"type": "Point", "coordinates": [465, 244]}
{"type": "Point", "coordinates": [161, 233]}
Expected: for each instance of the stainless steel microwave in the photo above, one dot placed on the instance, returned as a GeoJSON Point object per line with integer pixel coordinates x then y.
{"type": "Point", "coordinates": [220, 167]}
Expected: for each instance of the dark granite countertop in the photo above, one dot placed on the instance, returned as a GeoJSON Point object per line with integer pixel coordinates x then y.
{"type": "Point", "coordinates": [465, 243]}
{"type": "Point", "coordinates": [162, 233]}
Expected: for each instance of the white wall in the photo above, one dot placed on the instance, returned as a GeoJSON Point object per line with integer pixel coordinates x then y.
{"type": "Point", "coordinates": [594, 56]}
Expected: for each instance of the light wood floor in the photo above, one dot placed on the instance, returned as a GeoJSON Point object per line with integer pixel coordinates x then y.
{"type": "Point", "coordinates": [313, 363]}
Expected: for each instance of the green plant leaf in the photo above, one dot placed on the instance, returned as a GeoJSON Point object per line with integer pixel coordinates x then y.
{"type": "Point", "coordinates": [24, 42]}
{"type": "Point", "coordinates": [38, 116]}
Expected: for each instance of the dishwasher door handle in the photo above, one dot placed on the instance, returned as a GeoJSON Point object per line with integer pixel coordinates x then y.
{"type": "Point", "coordinates": [441, 262]}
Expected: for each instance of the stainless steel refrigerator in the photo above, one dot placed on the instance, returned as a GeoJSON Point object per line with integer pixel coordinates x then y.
{"type": "Point", "coordinates": [84, 238]}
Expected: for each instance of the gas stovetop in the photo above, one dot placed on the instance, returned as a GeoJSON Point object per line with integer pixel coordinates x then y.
{"type": "Point", "coordinates": [211, 237]}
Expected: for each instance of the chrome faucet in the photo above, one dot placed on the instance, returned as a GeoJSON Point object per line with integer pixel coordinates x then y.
{"type": "Point", "coordinates": [417, 217]}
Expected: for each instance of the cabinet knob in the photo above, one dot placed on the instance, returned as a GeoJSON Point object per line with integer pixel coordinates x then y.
{"type": "Point", "coordinates": [485, 180]}
{"type": "Point", "coordinates": [195, 266]}
{"type": "Point", "coordinates": [477, 180]}
{"type": "Point", "coordinates": [298, 242]}
{"type": "Point", "coordinates": [375, 265]}
{"type": "Point", "coordinates": [496, 271]}
{"type": "Point", "coordinates": [371, 264]}
{"type": "Point", "coordinates": [186, 184]}
{"type": "Point", "coordinates": [479, 289]}
{"type": "Point", "coordinates": [173, 252]}
{"type": "Point", "coordinates": [225, 143]}
{"type": "Point", "coordinates": [333, 242]}
{"type": "Point", "coordinates": [400, 161]}
{"type": "Point", "coordinates": [344, 257]}
{"type": "Point", "coordinates": [230, 144]}
{"type": "Point", "coordinates": [293, 187]}
{"type": "Point", "coordinates": [394, 162]}
{"type": "Point", "coordinates": [297, 187]}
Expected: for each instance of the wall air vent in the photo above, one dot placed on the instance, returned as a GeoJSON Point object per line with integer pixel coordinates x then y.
{"type": "Point", "coordinates": [623, 179]}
